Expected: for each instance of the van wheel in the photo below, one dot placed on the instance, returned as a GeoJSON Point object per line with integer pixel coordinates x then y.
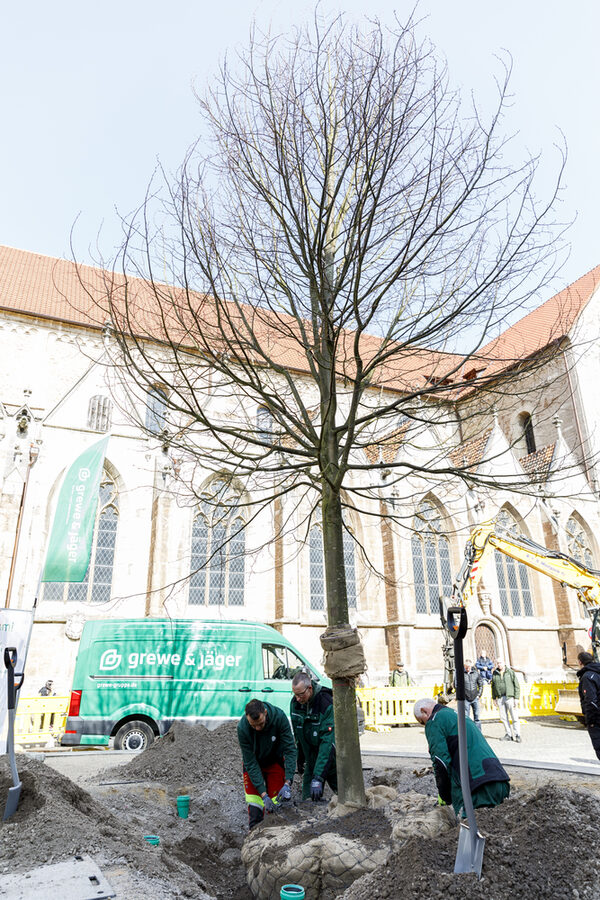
{"type": "Point", "coordinates": [134, 736]}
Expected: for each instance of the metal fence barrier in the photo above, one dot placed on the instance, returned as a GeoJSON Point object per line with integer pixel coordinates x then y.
{"type": "Point", "coordinates": [387, 706]}
{"type": "Point", "coordinates": [40, 720]}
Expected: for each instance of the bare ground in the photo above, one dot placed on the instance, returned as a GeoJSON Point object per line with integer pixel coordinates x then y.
{"type": "Point", "coordinates": [539, 844]}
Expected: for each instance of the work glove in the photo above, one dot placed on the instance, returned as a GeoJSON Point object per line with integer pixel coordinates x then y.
{"type": "Point", "coordinates": [285, 793]}
{"type": "Point", "coordinates": [269, 805]}
{"type": "Point", "coordinates": [316, 789]}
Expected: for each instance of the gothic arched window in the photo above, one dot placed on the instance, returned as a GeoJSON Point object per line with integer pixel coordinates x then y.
{"type": "Point", "coordinates": [513, 578]}
{"type": "Point", "coordinates": [218, 550]}
{"type": "Point", "coordinates": [432, 575]}
{"type": "Point", "coordinates": [318, 598]}
{"type": "Point", "coordinates": [96, 586]}
{"type": "Point", "coordinates": [578, 543]}
{"type": "Point", "coordinates": [526, 424]}
{"type": "Point", "coordinates": [156, 407]}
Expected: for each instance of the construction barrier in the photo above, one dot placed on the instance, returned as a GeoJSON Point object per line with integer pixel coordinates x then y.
{"type": "Point", "coordinates": [40, 720]}
{"type": "Point", "coordinates": [387, 706]}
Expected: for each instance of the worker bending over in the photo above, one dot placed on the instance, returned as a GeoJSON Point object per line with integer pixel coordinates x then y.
{"type": "Point", "coordinates": [269, 758]}
{"type": "Point", "coordinates": [311, 712]}
{"type": "Point", "coordinates": [488, 780]}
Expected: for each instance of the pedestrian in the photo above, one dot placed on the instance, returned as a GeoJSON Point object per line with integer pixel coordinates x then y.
{"type": "Point", "coordinates": [311, 712]}
{"type": "Point", "coordinates": [399, 677]}
{"type": "Point", "coordinates": [506, 691]}
{"type": "Point", "coordinates": [589, 695]}
{"type": "Point", "coordinates": [489, 782]}
{"type": "Point", "coordinates": [269, 758]}
{"type": "Point", "coordinates": [46, 690]}
{"type": "Point", "coordinates": [473, 690]}
{"type": "Point", "coordinates": [484, 666]}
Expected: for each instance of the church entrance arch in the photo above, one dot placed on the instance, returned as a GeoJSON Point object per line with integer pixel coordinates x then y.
{"type": "Point", "coordinates": [485, 640]}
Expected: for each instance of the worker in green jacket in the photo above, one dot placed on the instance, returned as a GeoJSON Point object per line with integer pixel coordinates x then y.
{"type": "Point", "coordinates": [269, 757]}
{"type": "Point", "coordinates": [311, 712]}
{"type": "Point", "coordinates": [488, 779]}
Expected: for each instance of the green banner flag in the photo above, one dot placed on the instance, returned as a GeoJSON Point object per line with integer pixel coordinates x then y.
{"type": "Point", "coordinates": [70, 545]}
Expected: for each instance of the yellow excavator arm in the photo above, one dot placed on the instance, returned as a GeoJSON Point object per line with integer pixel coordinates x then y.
{"type": "Point", "coordinates": [562, 568]}
{"type": "Point", "coordinates": [490, 536]}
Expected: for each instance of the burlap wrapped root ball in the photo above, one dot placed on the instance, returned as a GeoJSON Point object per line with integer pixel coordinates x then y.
{"type": "Point", "coordinates": [326, 864]}
{"type": "Point", "coordinates": [418, 815]}
{"type": "Point", "coordinates": [323, 865]}
{"type": "Point", "coordinates": [379, 796]}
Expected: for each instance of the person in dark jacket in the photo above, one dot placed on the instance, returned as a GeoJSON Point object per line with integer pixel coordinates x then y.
{"type": "Point", "coordinates": [269, 757]}
{"type": "Point", "coordinates": [484, 666]}
{"type": "Point", "coordinates": [490, 784]}
{"type": "Point", "coordinates": [473, 690]}
{"type": "Point", "coordinates": [506, 691]}
{"type": "Point", "coordinates": [589, 696]}
{"type": "Point", "coordinates": [311, 712]}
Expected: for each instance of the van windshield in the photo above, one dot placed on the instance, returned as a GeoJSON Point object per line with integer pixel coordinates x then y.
{"type": "Point", "coordinates": [281, 662]}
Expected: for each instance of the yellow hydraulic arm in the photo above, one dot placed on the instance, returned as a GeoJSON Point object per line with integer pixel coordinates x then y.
{"type": "Point", "coordinates": [488, 537]}
{"type": "Point", "coordinates": [562, 568]}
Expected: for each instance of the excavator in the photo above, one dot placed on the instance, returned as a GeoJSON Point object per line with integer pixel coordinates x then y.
{"type": "Point", "coordinates": [569, 572]}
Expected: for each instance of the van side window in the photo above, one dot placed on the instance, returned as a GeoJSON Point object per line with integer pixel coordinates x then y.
{"type": "Point", "coordinates": [281, 662]}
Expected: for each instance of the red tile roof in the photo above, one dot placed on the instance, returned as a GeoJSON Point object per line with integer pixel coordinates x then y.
{"type": "Point", "coordinates": [548, 323]}
{"type": "Point", "coordinates": [50, 288]}
{"type": "Point", "coordinates": [538, 464]}
{"type": "Point", "coordinates": [470, 454]}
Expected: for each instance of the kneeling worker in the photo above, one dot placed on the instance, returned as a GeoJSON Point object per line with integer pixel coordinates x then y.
{"type": "Point", "coordinates": [311, 712]}
{"type": "Point", "coordinates": [489, 780]}
{"type": "Point", "coordinates": [269, 758]}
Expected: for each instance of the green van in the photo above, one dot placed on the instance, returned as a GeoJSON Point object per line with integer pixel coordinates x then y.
{"type": "Point", "coordinates": [134, 677]}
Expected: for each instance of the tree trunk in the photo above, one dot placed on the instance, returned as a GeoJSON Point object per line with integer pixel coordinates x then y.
{"type": "Point", "coordinates": [351, 786]}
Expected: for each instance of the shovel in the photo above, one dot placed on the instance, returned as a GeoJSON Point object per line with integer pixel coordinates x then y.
{"type": "Point", "coordinates": [12, 801]}
{"type": "Point", "coordinates": [469, 855]}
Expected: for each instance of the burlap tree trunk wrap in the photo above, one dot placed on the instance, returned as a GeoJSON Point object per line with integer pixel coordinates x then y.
{"type": "Point", "coordinates": [344, 656]}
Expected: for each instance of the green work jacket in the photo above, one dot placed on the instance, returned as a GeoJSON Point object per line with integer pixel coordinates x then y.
{"type": "Point", "coordinates": [275, 743]}
{"type": "Point", "coordinates": [505, 685]}
{"type": "Point", "coordinates": [314, 732]}
{"type": "Point", "coordinates": [489, 781]}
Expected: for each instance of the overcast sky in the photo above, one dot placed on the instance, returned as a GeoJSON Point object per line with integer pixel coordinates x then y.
{"type": "Point", "coordinates": [95, 93]}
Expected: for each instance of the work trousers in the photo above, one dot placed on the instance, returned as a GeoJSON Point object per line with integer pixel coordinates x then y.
{"type": "Point", "coordinates": [274, 775]}
{"type": "Point", "coordinates": [473, 705]}
{"type": "Point", "coordinates": [507, 709]}
{"type": "Point", "coordinates": [594, 733]}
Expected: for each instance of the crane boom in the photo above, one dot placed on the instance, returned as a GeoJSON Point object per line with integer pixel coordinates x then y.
{"type": "Point", "coordinates": [566, 570]}
{"type": "Point", "coordinates": [562, 568]}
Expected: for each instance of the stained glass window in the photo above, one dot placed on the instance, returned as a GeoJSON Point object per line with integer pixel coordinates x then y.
{"type": "Point", "coordinates": [432, 576]}
{"type": "Point", "coordinates": [218, 550]}
{"type": "Point", "coordinates": [513, 579]}
{"type": "Point", "coordinates": [317, 568]}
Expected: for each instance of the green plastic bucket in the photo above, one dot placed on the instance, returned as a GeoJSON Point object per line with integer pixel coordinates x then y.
{"type": "Point", "coordinates": [183, 806]}
{"type": "Point", "coordinates": [292, 892]}
{"type": "Point", "coordinates": [152, 839]}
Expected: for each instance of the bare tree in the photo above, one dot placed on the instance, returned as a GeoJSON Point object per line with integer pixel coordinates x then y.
{"type": "Point", "coordinates": [320, 281]}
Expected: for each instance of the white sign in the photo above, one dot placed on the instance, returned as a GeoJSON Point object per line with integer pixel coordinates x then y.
{"type": "Point", "coordinates": [15, 629]}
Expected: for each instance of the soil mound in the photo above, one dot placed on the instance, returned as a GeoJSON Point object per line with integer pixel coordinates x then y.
{"type": "Point", "coordinates": [189, 753]}
{"type": "Point", "coordinates": [57, 820]}
{"type": "Point", "coordinates": [538, 844]}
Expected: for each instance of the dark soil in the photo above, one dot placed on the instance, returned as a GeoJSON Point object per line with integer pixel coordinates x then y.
{"type": "Point", "coordinates": [189, 754]}
{"type": "Point", "coordinates": [539, 844]}
{"type": "Point", "coordinates": [370, 826]}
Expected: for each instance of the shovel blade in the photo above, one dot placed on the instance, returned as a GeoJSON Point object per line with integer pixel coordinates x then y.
{"type": "Point", "coordinates": [12, 801]}
{"type": "Point", "coordinates": [469, 856]}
